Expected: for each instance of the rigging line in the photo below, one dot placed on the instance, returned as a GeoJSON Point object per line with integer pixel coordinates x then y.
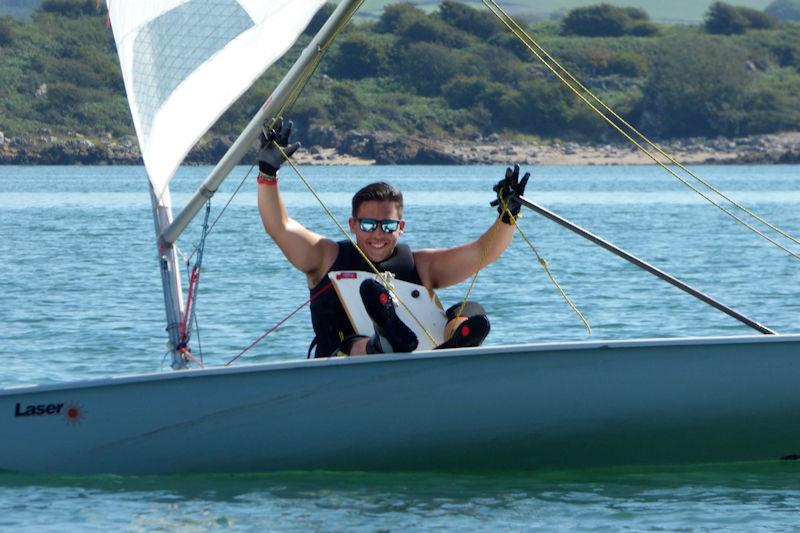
{"type": "Point", "coordinates": [183, 256]}
{"type": "Point", "coordinates": [233, 195]}
{"type": "Point", "coordinates": [311, 67]}
{"type": "Point", "coordinates": [543, 262]}
{"type": "Point", "coordinates": [296, 89]}
{"type": "Point", "coordinates": [644, 265]}
{"type": "Point", "coordinates": [197, 335]}
{"type": "Point", "coordinates": [188, 354]}
{"type": "Point", "coordinates": [280, 322]}
{"type": "Point", "coordinates": [382, 277]}
{"type": "Point", "coordinates": [637, 144]}
{"type": "Point", "coordinates": [194, 282]}
{"type": "Point", "coordinates": [189, 308]}
{"type": "Point", "coordinates": [481, 265]}
{"type": "Point", "coordinates": [540, 259]}
{"type": "Point", "coordinates": [632, 128]}
{"type": "Point", "coordinates": [308, 71]}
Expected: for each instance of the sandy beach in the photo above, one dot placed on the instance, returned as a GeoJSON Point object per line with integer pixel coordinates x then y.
{"type": "Point", "coordinates": [772, 148]}
{"type": "Point", "coordinates": [367, 148]}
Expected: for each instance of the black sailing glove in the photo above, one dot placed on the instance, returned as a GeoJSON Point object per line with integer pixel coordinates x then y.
{"type": "Point", "coordinates": [508, 190]}
{"type": "Point", "coordinates": [269, 157]}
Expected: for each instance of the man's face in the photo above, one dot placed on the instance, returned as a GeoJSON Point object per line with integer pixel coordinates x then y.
{"type": "Point", "coordinates": [377, 244]}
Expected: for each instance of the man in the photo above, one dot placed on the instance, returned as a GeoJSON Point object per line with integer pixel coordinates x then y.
{"type": "Point", "coordinates": [377, 223]}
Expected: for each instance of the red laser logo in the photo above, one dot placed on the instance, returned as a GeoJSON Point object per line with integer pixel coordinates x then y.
{"type": "Point", "coordinates": [74, 413]}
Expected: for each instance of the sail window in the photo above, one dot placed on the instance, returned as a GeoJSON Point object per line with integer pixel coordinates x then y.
{"type": "Point", "coordinates": [172, 46]}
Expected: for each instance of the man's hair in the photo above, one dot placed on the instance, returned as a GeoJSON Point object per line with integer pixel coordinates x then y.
{"type": "Point", "coordinates": [379, 192]}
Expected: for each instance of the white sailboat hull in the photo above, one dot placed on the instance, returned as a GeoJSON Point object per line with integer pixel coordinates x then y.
{"type": "Point", "coordinates": [536, 406]}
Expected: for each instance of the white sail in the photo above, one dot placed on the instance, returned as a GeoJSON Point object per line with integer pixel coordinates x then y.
{"type": "Point", "coordinates": [185, 61]}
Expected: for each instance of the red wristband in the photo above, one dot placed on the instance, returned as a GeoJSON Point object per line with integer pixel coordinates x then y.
{"type": "Point", "coordinates": [267, 180]}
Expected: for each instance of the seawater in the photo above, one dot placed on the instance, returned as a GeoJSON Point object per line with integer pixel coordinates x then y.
{"type": "Point", "coordinates": [81, 298]}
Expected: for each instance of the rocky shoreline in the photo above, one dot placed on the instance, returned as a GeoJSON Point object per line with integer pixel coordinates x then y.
{"type": "Point", "coordinates": [323, 146]}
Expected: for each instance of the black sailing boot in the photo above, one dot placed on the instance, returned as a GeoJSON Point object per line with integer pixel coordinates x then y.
{"type": "Point", "coordinates": [391, 334]}
{"type": "Point", "coordinates": [469, 333]}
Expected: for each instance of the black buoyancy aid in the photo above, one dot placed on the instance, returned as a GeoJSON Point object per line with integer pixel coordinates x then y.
{"type": "Point", "coordinates": [328, 316]}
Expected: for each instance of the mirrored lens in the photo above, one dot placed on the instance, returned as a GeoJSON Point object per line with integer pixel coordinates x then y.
{"type": "Point", "coordinates": [389, 226]}
{"type": "Point", "coordinates": [367, 224]}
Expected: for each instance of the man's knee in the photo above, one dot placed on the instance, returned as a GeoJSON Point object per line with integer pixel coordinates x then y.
{"type": "Point", "coordinates": [467, 326]}
{"type": "Point", "coordinates": [347, 346]}
{"type": "Point", "coordinates": [470, 309]}
{"type": "Point", "coordinates": [460, 313]}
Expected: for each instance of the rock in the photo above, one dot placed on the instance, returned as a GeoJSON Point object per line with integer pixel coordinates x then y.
{"type": "Point", "coordinates": [389, 149]}
{"type": "Point", "coordinates": [327, 137]}
{"type": "Point", "coordinates": [41, 91]}
{"type": "Point", "coordinates": [427, 155]}
{"type": "Point", "coordinates": [2, 138]}
{"type": "Point", "coordinates": [58, 154]}
{"type": "Point", "coordinates": [790, 157]}
{"type": "Point", "coordinates": [358, 144]}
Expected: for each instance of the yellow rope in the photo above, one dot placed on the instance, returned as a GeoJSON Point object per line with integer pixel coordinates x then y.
{"type": "Point", "coordinates": [539, 258]}
{"type": "Point", "coordinates": [312, 66]}
{"type": "Point", "coordinates": [384, 279]}
{"type": "Point", "coordinates": [550, 275]}
{"type": "Point", "coordinates": [530, 43]}
{"type": "Point", "coordinates": [481, 264]}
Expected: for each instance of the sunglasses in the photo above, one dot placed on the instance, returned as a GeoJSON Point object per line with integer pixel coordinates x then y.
{"type": "Point", "coordinates": [370, 224]}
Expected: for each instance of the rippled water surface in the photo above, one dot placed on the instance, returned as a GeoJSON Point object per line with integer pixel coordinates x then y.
{"type": "Point", "coordinates": [81, 297]}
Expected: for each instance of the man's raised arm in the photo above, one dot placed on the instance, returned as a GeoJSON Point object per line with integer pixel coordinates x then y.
{"type": "Point", "coordinates": [447, 266]}
{"type": "Point", "coordinates": [307, 251]}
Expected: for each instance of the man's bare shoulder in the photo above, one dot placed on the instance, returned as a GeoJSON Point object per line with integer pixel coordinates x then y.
{"type": "Point", "coordinates": [328, 247]}
{"type": "Point", "coordinates": [327, 250]}
{"type": "Point", "coordinates": [423, 256]}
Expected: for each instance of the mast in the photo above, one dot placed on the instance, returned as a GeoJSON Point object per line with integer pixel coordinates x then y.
{"type": "Point", "coordinates": [170, 276]}
{"type": "Point", "coordinates": [168, 230]}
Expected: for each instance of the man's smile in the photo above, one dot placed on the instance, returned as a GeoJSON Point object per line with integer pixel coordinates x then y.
{"type": "Point", "coordinates": [376, 250]}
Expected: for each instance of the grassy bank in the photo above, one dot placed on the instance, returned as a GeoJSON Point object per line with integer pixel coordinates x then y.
{"type": "Point", "coordinates": [451, 73]}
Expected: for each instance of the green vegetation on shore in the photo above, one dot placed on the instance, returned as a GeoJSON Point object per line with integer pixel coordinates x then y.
{"type": "Point", "coordinates": [674, 10]}
{"type": "Point", "coordinates": [454, 72]}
